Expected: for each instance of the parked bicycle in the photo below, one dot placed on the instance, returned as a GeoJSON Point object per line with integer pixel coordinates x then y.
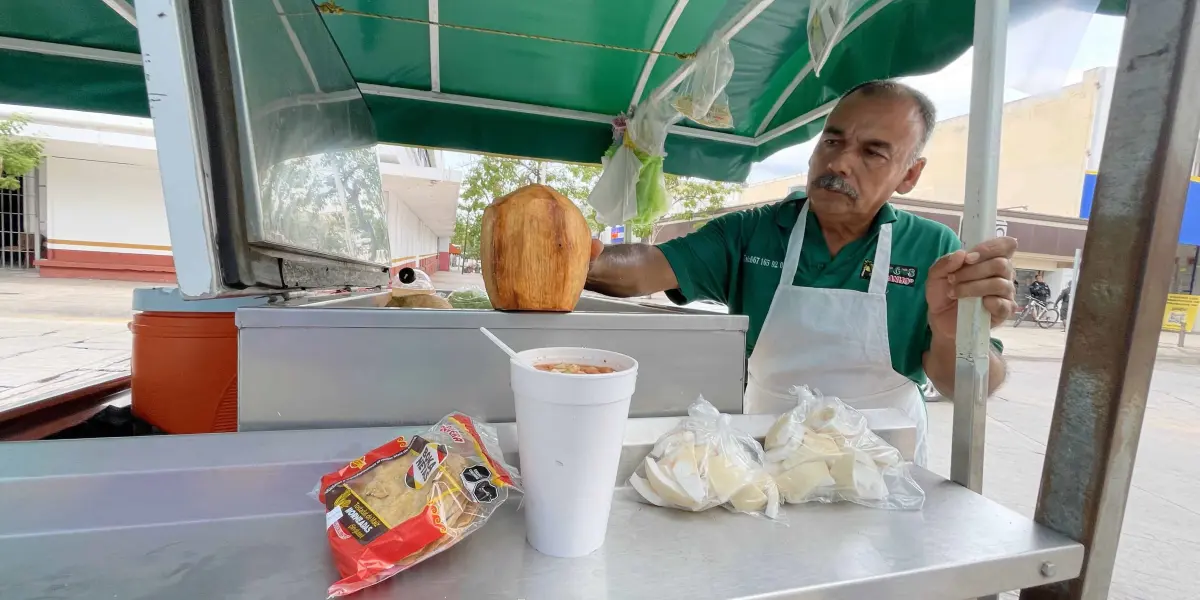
{"type": "Point", "coordinates": [1045, 316]}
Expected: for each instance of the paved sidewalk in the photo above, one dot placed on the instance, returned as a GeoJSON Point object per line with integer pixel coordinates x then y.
{"type": "Point", "coordinates": [1033, 343]}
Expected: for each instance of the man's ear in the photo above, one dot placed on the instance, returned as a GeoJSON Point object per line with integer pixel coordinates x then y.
{"type": "Point", "coordinates": [911, 176]}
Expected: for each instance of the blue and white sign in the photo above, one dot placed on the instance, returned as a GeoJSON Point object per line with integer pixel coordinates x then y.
{"type": "Point", "coordinates": [618, 234]}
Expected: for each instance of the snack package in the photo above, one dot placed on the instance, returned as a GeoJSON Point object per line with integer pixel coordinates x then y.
{"type": "Point", "coordinates": [704, 462]}
{"type": "Point", "coordinates": [822, 451]}
{"type": "Point", "coordinates": [412, 498]}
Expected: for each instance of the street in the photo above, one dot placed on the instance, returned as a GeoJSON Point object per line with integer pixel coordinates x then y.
{"type": "Point", "coordinates": [53, 326]}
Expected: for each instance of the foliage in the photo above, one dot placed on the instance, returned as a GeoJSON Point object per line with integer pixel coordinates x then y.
{"type": "Point", "coordinates": [491, 177]}
{"type": "Point", "coordinates": [333, 201]}
{"type": "Point", "coordinates": [18, 157]}
{"type": "Point", "coordinates": [691, 199]}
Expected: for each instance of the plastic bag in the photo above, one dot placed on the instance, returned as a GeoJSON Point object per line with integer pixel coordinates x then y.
{"type": "Point", "coordinates": [705, 462]}
{"type": "Point", "coordinates": [412, 279]}
{"type": "Point", "coordinates": [701, 96]}
{"type": "Point", "coordinates": [826, 20]}
{"type": "Point", "coordinates": [410, 499]}
{"type": "Point", "coordinates": [471, 298]}
{"type": "Point", "coordinates": [615, 194]}
{"type": "Point", "coordinates": [822, 451]}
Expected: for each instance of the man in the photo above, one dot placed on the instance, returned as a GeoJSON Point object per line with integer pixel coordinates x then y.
{"type": "Point", "coordinates": [1038, 289]}
{"type": "Point", "coordinates": [1064, 304]}
{"type": "Point", "coordinates": [844, 292]}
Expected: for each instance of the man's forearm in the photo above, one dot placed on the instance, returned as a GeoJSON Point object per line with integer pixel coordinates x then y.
{"type": "Point", "coordinates": [940, 366]}
{"type": "Point", "coordinates": [628, 270]}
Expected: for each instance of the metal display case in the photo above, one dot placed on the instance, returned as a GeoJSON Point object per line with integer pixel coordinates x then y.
{"type": "Point", "coordinates": [353, 362]}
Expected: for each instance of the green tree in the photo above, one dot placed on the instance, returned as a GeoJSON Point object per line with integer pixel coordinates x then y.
{"type": "Point", "coordinates": [492, 177]}
{"type": "Point", "coordinates": [17, 156]}
{"type": "Point", "coordinates": [691, 199]}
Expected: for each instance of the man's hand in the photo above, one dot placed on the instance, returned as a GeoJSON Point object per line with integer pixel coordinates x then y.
{"type": "Point", "coordinates": [984, 271]}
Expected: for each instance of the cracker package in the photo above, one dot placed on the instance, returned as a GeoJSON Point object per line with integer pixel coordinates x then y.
{"type": "Point", "coordinates": [412, 498]}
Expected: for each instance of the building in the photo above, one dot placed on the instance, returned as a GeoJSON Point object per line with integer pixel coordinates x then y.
{"type": "Point", "coordinates": [94, 209]}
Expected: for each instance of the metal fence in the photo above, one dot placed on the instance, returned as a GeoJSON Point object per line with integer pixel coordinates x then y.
{"type": "Point", "coordinates": [19, 227]}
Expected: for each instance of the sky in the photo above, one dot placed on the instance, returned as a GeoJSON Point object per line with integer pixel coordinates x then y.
{"type": "Point", "coordinates": [950, 88]}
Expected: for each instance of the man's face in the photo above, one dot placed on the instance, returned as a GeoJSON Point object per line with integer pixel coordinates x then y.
{"type": "Point", "coordinates": [865, 154]}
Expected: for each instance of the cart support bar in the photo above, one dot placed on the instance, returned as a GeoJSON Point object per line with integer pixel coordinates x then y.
{"type": "Point", "coordinates": [979, 224]}
{"type": "Point", "coordinates": [1122, 290]}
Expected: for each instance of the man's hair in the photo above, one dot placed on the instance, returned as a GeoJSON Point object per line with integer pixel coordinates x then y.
{"type": "Point", "coordinates": [887, 87]}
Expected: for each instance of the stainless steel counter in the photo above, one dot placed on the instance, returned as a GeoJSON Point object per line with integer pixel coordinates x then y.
{"type": "Point", "coordinates": [227, 516]}
{"type": "Point", "coordinates": [350, 362]}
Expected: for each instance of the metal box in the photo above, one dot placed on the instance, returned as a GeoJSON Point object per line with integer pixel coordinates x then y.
{"type": "Point", "coordinates": [352, 362]}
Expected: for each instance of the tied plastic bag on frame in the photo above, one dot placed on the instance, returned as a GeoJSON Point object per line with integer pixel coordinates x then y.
{"type": "Point", "coordinates": [632, 187]}
{"type": "Point", "coordinates": [826, 21]}
{"type": "Point", "coordinates": [822, 451]}
{"type": "Point", "coordinates": [701, 96]}
{"type": "Point", "coordinates": [412, 498]}
{"type": "Point", "coordinates": [705, 462]}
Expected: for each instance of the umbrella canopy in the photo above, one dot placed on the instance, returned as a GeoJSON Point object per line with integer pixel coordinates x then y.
{"type": "Point", "coordinates": [536, 78]}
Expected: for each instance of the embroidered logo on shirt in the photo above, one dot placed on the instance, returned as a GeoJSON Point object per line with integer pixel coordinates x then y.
{"type": "Point", "coordinates": [898, 274]}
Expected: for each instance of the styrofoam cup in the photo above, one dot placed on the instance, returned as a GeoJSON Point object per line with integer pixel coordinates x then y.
{"type": "Point", "coordinates": [569, 434]}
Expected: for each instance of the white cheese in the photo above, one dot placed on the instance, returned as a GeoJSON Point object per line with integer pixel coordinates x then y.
{"type": "Point", "coordinates": [798, 483]}
{"type": "Point", "coordinates": [858, 477]}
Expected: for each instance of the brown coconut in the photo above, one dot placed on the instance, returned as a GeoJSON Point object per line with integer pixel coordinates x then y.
{"type": "Point", "coordinates": [535, 248]}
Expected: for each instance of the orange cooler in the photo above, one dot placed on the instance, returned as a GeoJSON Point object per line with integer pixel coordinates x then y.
{"type": "Point", "coordinates": [185, 361]}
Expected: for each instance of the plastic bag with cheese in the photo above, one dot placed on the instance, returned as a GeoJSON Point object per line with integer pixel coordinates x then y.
{"type": "Point", "coordinates": [822, 451]}
{"type": "Point", "coordinates": [705, 462]}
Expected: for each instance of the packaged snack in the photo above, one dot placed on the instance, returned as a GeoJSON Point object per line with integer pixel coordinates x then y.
{"type": "Point", "coordinates": [411, 498]}
{"type": "Point", "coordinates": [705, 462]}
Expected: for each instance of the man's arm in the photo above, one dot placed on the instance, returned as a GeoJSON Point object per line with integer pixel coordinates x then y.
{"type": "Point", "coordinates": [940, 361]}
{"type": "Point", "coordinates": [629, 270]}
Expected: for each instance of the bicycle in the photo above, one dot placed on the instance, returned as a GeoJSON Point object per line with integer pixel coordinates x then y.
{"type": "Point", "coordinates": [1045, 316]}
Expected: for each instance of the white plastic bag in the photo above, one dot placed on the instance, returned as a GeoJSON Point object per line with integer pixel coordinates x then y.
{"type": "Point", "coordinates": [615, 194]}
{"type": "Point", "coordinates": [704, 462]}
{"type": "Point", "coordinates": [826, 20]}
{"type": "Point", "coordinates": [822, 451]}
{"type": "Point", "coordinates": [701, 96]}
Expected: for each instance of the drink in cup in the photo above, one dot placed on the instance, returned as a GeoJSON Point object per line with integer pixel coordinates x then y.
{"type": "Point", "coordinates": [572, 405]}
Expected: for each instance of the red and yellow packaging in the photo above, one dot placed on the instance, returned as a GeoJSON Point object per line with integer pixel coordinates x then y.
{"type": "Point", "coordinates": [412, 498]}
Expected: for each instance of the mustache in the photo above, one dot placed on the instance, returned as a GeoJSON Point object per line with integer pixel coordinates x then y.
{"type": "Point", "coordinates": [835, 183]}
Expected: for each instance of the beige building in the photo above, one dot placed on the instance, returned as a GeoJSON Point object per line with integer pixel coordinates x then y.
{"type": "Point", "coordinates": [1045, 146]}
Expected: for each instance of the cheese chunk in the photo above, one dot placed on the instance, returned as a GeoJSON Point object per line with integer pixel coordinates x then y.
{"type": "Point", "coordinates": [667, 488]}
{"type": "Point", "coordinates": [799, 482]}
{"type": "Point", "coordinates": [857, 476]}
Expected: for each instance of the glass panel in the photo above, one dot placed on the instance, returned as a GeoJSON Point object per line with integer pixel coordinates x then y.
{"type": "Point", "coordinates": [313, 182]}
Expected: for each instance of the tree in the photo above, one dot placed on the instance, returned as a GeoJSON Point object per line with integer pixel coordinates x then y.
{"type": "Point", "coordinates": [18, 156]}
{"type": "Point", "coordinates": [492, 177]}
{"type": "Point", "coordinates": [691, 199]}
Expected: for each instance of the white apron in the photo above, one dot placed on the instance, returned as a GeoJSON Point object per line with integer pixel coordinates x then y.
{"type": "Point", "coordinates": [833, 340]}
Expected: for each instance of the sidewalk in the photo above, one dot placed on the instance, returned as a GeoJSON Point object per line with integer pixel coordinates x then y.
{"type": "Point", "coordinates": [1029, 342]}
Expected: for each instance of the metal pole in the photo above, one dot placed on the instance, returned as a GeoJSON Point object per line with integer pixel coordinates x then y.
{"type": "Point", "coordinates": [979, 223]}
{"type": "Point", "coordinates": [1131, 237]}
{"type": "Point", "coordinates": [1074, 287]}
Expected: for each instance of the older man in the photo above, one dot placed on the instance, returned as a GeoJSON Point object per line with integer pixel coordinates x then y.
{"type": "Point", "coordinates": [844, 292]}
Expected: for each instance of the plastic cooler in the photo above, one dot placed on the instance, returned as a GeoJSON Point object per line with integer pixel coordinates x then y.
{"type": "Point", "coordinates": [185, 361]}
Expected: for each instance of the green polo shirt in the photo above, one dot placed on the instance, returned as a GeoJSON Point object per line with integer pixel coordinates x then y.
{"type": "Point", "coordinates": [737, 259]}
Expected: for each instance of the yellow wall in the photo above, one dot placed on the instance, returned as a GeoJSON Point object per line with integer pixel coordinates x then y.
{"type": "Point", "coordinates": [767, 191]}
{"type": "Point", "coordinates": [1044, 145]}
